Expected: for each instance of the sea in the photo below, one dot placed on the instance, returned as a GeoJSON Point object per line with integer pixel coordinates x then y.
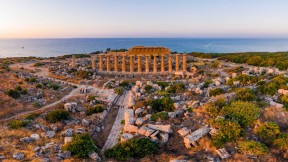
{"type": "Point", "coordinates": [58, 47]}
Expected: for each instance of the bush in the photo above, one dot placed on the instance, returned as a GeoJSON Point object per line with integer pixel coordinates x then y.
{"type": "Point", "coordinates": [245, 94]}
{"type": "Point", "coordinates": [216, 91]}
{"type": "Point", "coordinates": [53, 86]}
{"type": "Point", "coordinates": [24, 91]}
{"type": "Point", "coordinates": [94, 109]}
{"type": "Point", "coordinates": [207, 83]}
{"type": "Point", "coordinates": [32, 80]}
{"type": "Point", "coordinates": [83, 74]}
{"type": "Point", "coordinates": [18, 88]}
{"type": "Point", "coordinates": [162, 104]}
{"type": "Point", "coordinates": [39, 85]}
{"type": "Point", "coordinates": [268, 131]}
{"type": "Point", "coordinates": [148, 87]}
{"type": "Point", "coordinates": [80, 146]}
{"type": "Point", "coordinates": [17, 124]}
{"type": "Point", "coordinates": [133, 148]}
{"type": "Point", "coordinates": [13, 93]}
{"type": "Point", "coordinates": [284, 101]}
{"type": "Point", "coordinates": [119, 90]}
{"type": "Point", "coordinates": [90, 98]}
{"type": "Point", "coordinates": [32, 116]}
{"type": "Point", "coordinates": [57, 115]}
{"type": "Point", "coordinates": [160, 116]}
{"type": "Point", "coordinates": [176, 88]}
{"type": "Point", "coordinates": [124, 83]}
{"type": "Point", "coordinates": [227, 131]}
{"type": "Point", "coordinates": [162, 84]}
{"type": "Point", "coordinates": [252, 148]}
{"type": "Point", "coordinates": [281, 141]}
{"type": "Point", "coordinates": [244, 112]}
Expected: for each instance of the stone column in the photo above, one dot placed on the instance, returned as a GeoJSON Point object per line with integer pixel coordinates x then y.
{"type": "Point", "coordinates": [108, 62]}
{"type": "Point", "coordinates": [73, 61]}
{"type": "Point", "coordinates": [177, 63]}
{"type": "Point", "coordinates": [101, 63]}
{"type": "Point", "coordinates": [155, 64]}
{"type": "Point", "coordinates": [139, 64]}
{"type": "Point", "coordinates": [93, 63]}
{"type": "Point", "coordinates": [184, 62]}
{"type": "Point", "coordinates": [131, 64]}
{"type": "Point", "coordinates": [147, 64]}
{"type": "Point", "coordinates": [162, 64]}
{"type": "Point", "coordinates": [123, 64]}
{"type": "Point", "coordinates": [170, 63]}
{"type": "Point", "coordinates": [115, 63]}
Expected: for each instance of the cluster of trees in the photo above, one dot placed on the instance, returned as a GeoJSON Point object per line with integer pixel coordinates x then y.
{"type": "Point", "coordinates": [134, 148]}
{"type": "Point", "coordinates": [81, 145]}
{"type": "Point", "coordinates": [264, 59]}
{"type": "Point", "coordinates": [162, 104]}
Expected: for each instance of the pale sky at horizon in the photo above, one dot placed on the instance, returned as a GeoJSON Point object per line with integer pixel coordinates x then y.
{"type": "Point", "coordinates": [143, 18]}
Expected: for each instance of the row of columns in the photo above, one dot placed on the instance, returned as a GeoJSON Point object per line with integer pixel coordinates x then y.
{"type": "Point", "coordinates": [162, 58]}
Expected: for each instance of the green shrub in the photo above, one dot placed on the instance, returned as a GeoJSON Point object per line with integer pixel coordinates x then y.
{"type": "Point", "coordinates": [81, 145]}
{"type": "Point", "coordinates": [24, 91]}
{"type": "Point", "coordinates": [32, 116]}
{"type": "Point", "coordinates": [38, 64]}
{"type": "Point", "coordinates": [32, 80]}
{"type": "Point", "coordinates": [284, 100]}
{"type": "Point", "coordinates": [119, 90]}
{"type": "Point", "coordinates": [83, 74]}
{"type": "Point", "coordinates": [133, 148]}
{"type": "Point", "coordinates": [162, 84]}
{"type": "Point", "coordinates": [281, 141]}
{"type": "Point", "coordinates": [53, 86]}
{"type": "Point", "coordinates": [160, 116]}
{"type": "Point", "coordinates": [227, 131]}
{"type": "Point", "coordinates": [176, 88]}
{"type": "Point", "coordinates": [268, 131]}
{"type": "Point", "coordinates": [252, 148]}
{"type": "Point", "coordinates": [90, 98]}
{"type": "Point", "coordinates": [57, 115]}
{"type": "Point", "coordinates": [207, 83]}
{"type": "Point", "coordinates": [124, 83]}
{"type": "Point", "coordinates": [13, 93]}
{"type": "Point", "coordinates": [17, 124]}
{"type": "Point", "coordinates": [244, 112]}
{"type": "Point", "coordinates": [162, 104]}
{"type": "Point", "coordinates": [245, 94]}
{"type": "Point", "coordinates": [18, 88]}
{"type": "Point", "coordinates": [148, 87]}
{"type": "Point", "coordinates": [94, 109]}
{"type": "Point", "coordinates": [39, 85]}
{"type": "Point", "coordinates": [216, 91]}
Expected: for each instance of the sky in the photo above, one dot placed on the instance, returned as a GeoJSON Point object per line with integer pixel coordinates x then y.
{"type": "Point", "coordinates": [143, 19]}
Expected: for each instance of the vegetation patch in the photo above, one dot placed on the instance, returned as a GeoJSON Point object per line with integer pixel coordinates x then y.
{"type": "Point", "coordinates": [216, 92]}
{"type": "Point", "coordinates": [81, 145]}
{"type": "Point", "coordinates": [95, 109]}
{"type": "Point", "coordinates": [162, 104]}
{"type": "Point", "coordinates": [134, 148]}
{"type": "Point", "coordinates": [17, 124]}
{"type": "Point", "coordinates": [57, 115]}
{"type": "Point", "coordinates": [252, 148]}
{"type": "Point", "coordinates": [160, 116]}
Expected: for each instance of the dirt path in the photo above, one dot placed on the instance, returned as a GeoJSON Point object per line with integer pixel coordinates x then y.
{"type": "Point", "coordinates": [72, 93]}
{"type": "Point", "coordinates": [113, 137]}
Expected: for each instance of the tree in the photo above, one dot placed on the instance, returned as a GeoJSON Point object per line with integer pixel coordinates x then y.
{"type": "Point", "coordinates": [244, 112]}
{"type": "Point", "coordinates": [162, 104]}
{"type": "Point", "coordinates": [227, 131]}
{"type": "Point", "coordinates": [132, 148]}
{"type": "Point", "coordinates": [252, 148]}
{"type": "Point", "coordinates": [81, 145]}
{"type": "Point", "coordinates": [13, 93]}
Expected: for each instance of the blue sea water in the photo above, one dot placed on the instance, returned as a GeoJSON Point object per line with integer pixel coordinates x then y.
{"type": "Point", "coordinates": [57, 47]}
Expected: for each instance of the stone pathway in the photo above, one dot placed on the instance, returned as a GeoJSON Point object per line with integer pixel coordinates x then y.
{"type": "Point", "coordinates": [114, 135]}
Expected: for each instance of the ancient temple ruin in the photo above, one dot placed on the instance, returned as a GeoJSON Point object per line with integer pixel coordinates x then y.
{"type": "Point", "coordinates": [138, 60]}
